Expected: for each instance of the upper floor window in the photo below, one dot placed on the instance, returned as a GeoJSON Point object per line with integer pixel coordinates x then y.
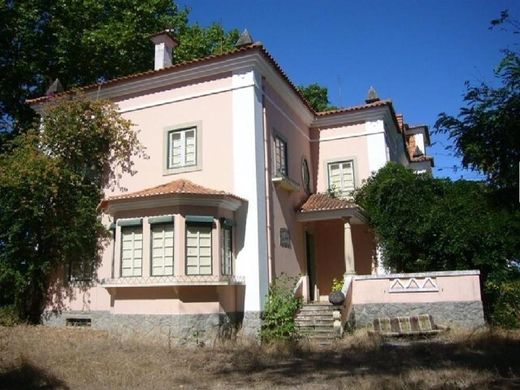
{"type": "Point", "coordinates": [280, 157]}
{"type": "Point", "coordinates": [306, 178]}
{"type": "Point", "coordinates": [182, 148]}
{"type": "Point", "coordinates": [341, 177]}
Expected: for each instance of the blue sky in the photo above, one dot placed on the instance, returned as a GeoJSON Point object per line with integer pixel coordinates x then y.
{"type": "Point", "coordinates": [417, 53]}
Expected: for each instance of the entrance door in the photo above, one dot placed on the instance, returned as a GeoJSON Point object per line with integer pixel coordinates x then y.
{"type": "Point", "coordinates": [311, 265]}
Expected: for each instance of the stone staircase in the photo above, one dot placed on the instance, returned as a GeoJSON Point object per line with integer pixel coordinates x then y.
{"type": "Point", "coordinates": [315, 322]}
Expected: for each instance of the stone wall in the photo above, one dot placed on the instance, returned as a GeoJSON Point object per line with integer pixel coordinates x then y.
{"type": "Point", "coordinates": [195, 329]}
{"type": "Point", "coordinates": [460, 314]}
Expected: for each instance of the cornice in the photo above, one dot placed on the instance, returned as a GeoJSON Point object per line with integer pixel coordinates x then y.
{"type": "Point", "coordinates": [225, 202]}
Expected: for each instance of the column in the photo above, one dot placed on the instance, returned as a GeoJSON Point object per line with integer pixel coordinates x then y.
{"type": "Point", "coordinates": [348, 248]}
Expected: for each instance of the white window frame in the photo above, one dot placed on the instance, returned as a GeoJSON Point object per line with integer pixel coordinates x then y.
{"type": "Point", "coordinates": [280, 157]}
{"type": "Point", "coordinates": [198, 265]}
{"type": "Point", "coordinates": [342, 191]}
{"type": "Point", "coordinates": [184, 165]}
{"type": "Point", "coordinates": [133, 258]}
{"type": "Point", "coordinates": [161, 227]}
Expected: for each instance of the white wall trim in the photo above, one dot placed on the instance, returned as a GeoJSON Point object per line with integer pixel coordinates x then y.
{"type": "Point", "coordinates": [249, 183]}
{"type": "Point", "coordinates": [163, 102]}
{"type": "Point", "coordinates": [346, 136]}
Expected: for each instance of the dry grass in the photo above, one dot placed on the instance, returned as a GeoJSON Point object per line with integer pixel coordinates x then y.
{"type": "Point", "coordinates": [47, 358]}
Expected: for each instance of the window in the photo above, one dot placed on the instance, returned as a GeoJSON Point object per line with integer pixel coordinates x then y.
{"type": "Point", "coordinates": [182, 148]}
{"type": "Point", "coordinates": [81, 270]}
{"type": "Point", "coordinates": [341, 177]}
{"type": "Point", "coordinates": [306, 179]}
{"type": "Point", "coordinates": [131, 250]}
{"type": "Point", "coordinates": [198, 249]}
{"type": "Point", "coordinates": [162, 236]}
{"type": "Point", "coordinates": [280, 157]}
{"type": "Point", "coordinates": [227, 251]}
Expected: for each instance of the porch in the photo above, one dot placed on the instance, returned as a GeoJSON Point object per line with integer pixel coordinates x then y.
{"type": "Point", "coordinates": [338, 243]}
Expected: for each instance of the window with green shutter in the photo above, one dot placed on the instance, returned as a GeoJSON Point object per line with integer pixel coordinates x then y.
{"type": "Point", "coordinates": [131, 250]}
{"type": "Point", "coordinates": [162, 239]}
{"type": "Point", "coordinates": [198, 249]}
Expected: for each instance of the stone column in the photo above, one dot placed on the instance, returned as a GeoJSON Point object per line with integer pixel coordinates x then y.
{"type": "Point", "coordinates": [348, 248]}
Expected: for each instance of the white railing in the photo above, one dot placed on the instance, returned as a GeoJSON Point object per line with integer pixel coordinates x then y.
{"type": "Point", "coordinates": [181, 280]}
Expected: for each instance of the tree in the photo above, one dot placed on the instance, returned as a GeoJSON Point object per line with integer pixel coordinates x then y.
{"type": "Point", "coordinates": [51, 183]}
{"type": "Point", "coordinates": [428, 224]}
{"type": "Point", "coordinates": [84, 42]}
{"type": "Point", "coordinates": [317, 96]}
{"type": "Point", "coordinates": [486, 133]}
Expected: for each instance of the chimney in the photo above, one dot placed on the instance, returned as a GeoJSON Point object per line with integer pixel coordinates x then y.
{"type": "Point", "coordinates": [164, 42]}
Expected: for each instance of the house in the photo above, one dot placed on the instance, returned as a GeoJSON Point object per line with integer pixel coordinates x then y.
{"type": "Point", "coordinates": [244, 182]}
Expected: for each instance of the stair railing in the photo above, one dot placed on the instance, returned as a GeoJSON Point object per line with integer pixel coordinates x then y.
{"type": "Point", "coordinates": [342, 313]}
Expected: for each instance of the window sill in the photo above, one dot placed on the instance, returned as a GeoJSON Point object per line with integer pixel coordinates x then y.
{"type": "Point", "coordinates": [286, 183]}
{"type": "Point", "coordinates": [167, 281]}
{"type": "Point", "coordinates": [186, 169]}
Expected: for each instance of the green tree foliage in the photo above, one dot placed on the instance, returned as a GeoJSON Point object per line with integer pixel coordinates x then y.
{"type": "Point", "coordinates": [280, 309]}
{"type": "Point", "coordinates": [486, 132]}
{"type": "Point", "coordinates": [429, 224]}
{"type": "Point", "coordinates": [317, 96]}
{"type": "Point", "coordinates": [86, 41]}
{"type": "Point", "coordinates": [51, 181]}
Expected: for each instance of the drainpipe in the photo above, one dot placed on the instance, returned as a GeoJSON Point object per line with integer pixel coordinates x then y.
{"type": "Point", "coordinates": [267, 168]}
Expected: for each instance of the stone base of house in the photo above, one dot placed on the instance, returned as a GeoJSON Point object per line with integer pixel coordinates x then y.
{"type": "Point", "coordinates": [251, 324]}
{"type": "Point", "coordinates": [172, 329]}
{"type": "Point", "coordinates": [459, 314]}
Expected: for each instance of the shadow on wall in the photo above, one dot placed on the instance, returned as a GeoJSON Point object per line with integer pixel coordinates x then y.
{"type": "Point", "coordinates": [28, 376]}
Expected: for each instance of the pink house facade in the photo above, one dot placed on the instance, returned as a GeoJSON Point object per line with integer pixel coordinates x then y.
{"type": "Point", "coordinates": [245, 182]}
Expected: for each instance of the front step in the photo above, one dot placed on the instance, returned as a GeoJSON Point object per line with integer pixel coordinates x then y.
{"type": "Point", "coordinates": [315, 322]}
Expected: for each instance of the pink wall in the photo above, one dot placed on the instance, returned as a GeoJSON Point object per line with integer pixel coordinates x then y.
{"type": "Point", "coordinates": [335, 144]}
{"type": "Point", "coordinates": [291, 260]}
{"type": "Point", "coordinates": [216, 132]}
{"type": "Point", "coordinates": [451, 289]}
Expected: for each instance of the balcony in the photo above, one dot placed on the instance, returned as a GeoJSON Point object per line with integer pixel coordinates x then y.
{"type": "Point", "coordinates": [172, 281]}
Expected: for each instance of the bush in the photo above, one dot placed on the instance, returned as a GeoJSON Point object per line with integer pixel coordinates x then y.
{"type": "Point", "coordinates": [281, 307]}
{"type": "Point", "coordinates": [505, 309]}
{"type": "Point", "coordinates": [9, 316]}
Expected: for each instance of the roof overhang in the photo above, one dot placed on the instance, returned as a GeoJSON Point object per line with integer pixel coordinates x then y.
{"type": "Point", "coordinates": [253, 57]}
{"type": "Point", "coordinates": [354, 213]}
{"type": "Point", "coordinates": [169, 200]}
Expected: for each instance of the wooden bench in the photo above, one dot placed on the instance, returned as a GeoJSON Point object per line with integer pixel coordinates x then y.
{"type": "Point", "coordinates": [420, 325]}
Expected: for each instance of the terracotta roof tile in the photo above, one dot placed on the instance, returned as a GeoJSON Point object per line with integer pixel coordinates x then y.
{"type": "Point", "coordinates": [180, 186]}
{"type": "Point", "coordinates": [182, 65]}
{"type": "Point", "coordinates": [379, 103]}
{"type": "Point", "coordinates": [321, 202]}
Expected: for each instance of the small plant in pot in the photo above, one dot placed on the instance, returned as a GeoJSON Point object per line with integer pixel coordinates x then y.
{"type": "Point", "coordinates": [336, 296]}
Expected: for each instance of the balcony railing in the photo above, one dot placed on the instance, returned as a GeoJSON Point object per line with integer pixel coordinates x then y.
{"type": "Point", "coordinates": [184, 280]}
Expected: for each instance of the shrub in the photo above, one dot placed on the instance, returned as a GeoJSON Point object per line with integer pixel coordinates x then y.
{"type": "Point", "coordinates": [505, 310]}
{"type": "Point", "coordinates": [337, 285]}
{"type": "Point", "coordinates": [278, 319]}
{"type": "Point", "coordinates": [9, 316]}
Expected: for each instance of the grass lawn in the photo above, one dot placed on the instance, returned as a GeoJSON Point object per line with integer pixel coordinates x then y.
{"type": "Point", "coordinates": [46, 358]}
